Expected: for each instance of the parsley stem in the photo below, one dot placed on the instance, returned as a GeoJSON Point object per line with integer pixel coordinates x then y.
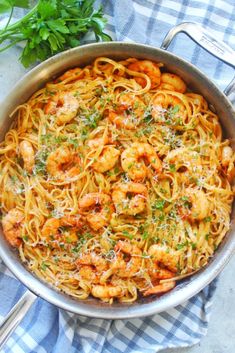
{"type": "Point", "coordinates": [17, 23]}
{"type": "Point", "coordinates": [10, 45]}
{"type": "Point", "coordinates": [9, 19]}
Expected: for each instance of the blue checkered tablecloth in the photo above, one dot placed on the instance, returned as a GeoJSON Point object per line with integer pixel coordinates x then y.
{"type": "Point", "coordinates": [47, 329]}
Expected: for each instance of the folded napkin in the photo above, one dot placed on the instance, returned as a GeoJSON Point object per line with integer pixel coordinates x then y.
{"type": "Point", "coordinates": [47, 329]}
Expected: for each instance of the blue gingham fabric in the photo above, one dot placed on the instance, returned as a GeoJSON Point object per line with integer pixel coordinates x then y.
{"type": "Point", "coordinates": [47, 329]}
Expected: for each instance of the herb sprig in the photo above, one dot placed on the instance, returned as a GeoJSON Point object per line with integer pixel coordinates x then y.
{"type": "Point", "coordinates": [51, 27]}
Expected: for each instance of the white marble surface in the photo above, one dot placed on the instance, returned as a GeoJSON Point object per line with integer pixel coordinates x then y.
{"type": "Point", "coordinates": [221, 331]}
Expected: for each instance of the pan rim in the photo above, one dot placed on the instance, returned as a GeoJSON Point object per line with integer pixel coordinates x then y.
{"type": "Point", "coordinates": [172, 299]}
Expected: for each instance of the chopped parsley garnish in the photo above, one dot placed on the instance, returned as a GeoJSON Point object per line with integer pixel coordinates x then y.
{"type": "Point", "coordinates": [64, 229]}
{"type": "Point", "coordinates": [114, 171]}
{"type": "Point", "coordinates": [82, 240]}
{"type": "Point", "coordinates": [110, 255]}
{"type": "Point", "coordinates": [145, 255]}
{"type": "Point", "coordinates": [155, 239]}
{"type": "Point", "coordinates": [172, 167]}
{"type": "Point", "coordinates": [145, 235]}
{"type": "Point", "coordinates": [182, 245]}
{"type": "Point", "coordinates": [186, 201]}
{"type": "Point", "coordinates": [68, 240]}
{"type": "Point", "coordinates": [207, 236]}
{"type": "Point", "coordinates": [40, 162]}
{"type": "Point", "coordinates": [148, 118]}
{"type": "Point", "coordinates": [92, 119]}
{"type": "Point", "coordinates": [14, 179]}
{"type": "Point", "coordinates": [127, 234]}
{"type": "Point", "coordinates": [44, 266]}
{"type": "Point", "coordinates": [161, 217]}
{"type": "Point", "coordinates": [56, 213]}
{"type": "Point", "coordinates": [174, 110]}
{"type": "Point", "coordinates": [159, 205]}
{"type": "Point", "coordinates": [185, 198]}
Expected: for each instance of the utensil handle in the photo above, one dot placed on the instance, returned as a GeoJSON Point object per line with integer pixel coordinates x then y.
{"type": "Point", "coordinates": [202, 37]}
{"type": "Point", "coordinates": [14, 317]}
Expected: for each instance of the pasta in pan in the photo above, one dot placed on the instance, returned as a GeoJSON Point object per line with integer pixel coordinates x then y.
{"type": "Point", "coordinates": [115, 181]}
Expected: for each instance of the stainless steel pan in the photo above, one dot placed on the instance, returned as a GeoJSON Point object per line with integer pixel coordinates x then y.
{"type": "Point", "coordinates": [198, 82]}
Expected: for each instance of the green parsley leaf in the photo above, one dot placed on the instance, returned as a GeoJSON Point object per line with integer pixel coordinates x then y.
{"type": "Point", "coordinates": [47, 9]}
{"type": "Point", "coordinates": [145, 235]}
{"type": "Point", "coordinates": [175, 109]}
{"type": "Point", "coordinates": [207, 236]}
{"type": "Point", "coordinates": [185, 198]}
{"type": "Point", "coordinates": [7, 5]}
{"type": "Point", "coordinates": [58, 26]}
{"type": "Point", "coordinates": [44, 266]}
{"type": "Point", "coordinates": [148, 118]}
{"type": "Point", "coordinates": [127, 234]}
{"type": "Point", "coordinates": [25, 237]}
{"type": "Point", "coordinates": [181, 245]}
{"type": "Point", "coordinates": [159, 205]}
{"type": "Point", "coordinates": [145, 255]}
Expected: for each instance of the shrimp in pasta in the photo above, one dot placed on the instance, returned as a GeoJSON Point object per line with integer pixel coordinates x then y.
{"type": "Point", "coordinates": [115, 181]}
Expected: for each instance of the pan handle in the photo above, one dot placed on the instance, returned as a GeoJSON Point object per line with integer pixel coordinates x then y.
{"type": "Point", "coordinates": [202, 37]}
{"type": "Point", "coordinates": [14, 317]}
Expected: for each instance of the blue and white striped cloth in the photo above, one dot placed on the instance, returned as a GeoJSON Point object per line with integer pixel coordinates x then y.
{"type": "Point", "coordinates": [46, 329]}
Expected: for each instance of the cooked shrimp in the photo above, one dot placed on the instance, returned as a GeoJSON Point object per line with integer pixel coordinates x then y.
{"type": "Point", "coordinates": [227, 155]}
{"type": "Point", "coordinates": [149, 68]}
{"type": "Point", "coordinates": [165, 106]}
{"type": "Point", "coordinates": [27, 152]}
{"type": "Point", "coordinates": [172, 82]}
{"type": "Point", "coordinates": [52, 229]}
{"type": "Point", "coordinates": [166, 87]}
{"type": "Point", "coordinates": [101, 206]}
{"type": "Point", "coordinates": [155, 264]}
{"type": "Point", "coordinates": [122, 266]}
{"type": "Point", "coordinates": [162, 255]}
{"type": "Point", "coordinates": [91, 267]}
{"type": "Point", "coordinates": [157, 272]}
{"type": "Point", "coordinates": [64, 106]}
{"type": "Point", "coordinates": [186, 160]}
{"type": "Point", "coordinates": [106, 292]}
{"type": "Point", "coordinates": [227, 161]}
{"type": "Point", "coordinates": [92, 259]}
{"type": "Point", "coordinates": [11, 224]}
{"type": "Point", "coordinates": [98, 141]}
{"type": "Point", "coordinates": [63, 165]}
{"type": "Point", "coordinates": [72, 221]}
{"type": "Point", "coordinates": [88, 273]}
{"type": "Point", "coordinates": [230, 172]}
{"type": "Point", "coordinates": [199, 206]}
{"type": "Point", "coordinates": [72, 74]}
{"type": "Point", "coordinates": [107, 160]}
{"type": "Point", "coordinates": [129, 205]}
{"type": "Point", "coordinates": [160, 288]}
{"type": "Point", "coordinates": [128, 111]}
{"type": "Point", "coordinates": [133, 160]}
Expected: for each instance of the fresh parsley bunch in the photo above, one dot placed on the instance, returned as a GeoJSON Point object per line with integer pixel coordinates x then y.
{"type": "Point", "coordinates": [51, 27]}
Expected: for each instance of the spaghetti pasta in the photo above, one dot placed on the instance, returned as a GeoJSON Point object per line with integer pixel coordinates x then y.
{"type": "Point", "coordinates": [115, 181]}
